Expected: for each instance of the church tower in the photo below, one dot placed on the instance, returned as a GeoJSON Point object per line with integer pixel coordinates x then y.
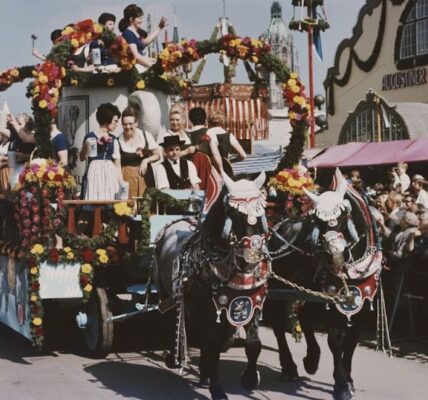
{"type": "Point", "coordinates": [281, 42]}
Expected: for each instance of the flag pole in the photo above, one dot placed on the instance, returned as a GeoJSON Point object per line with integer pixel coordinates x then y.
{"type": "Point", "coordinates": [311, 142]}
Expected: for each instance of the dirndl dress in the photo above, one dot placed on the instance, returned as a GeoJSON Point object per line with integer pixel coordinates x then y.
{"type": "Point", "coordinates": [103, 177]}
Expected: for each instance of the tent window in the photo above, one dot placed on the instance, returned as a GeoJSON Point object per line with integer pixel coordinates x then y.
{"type": "Point", "coordinates": [373, 121]}
{"type": "Point", "coordinates": [414, 37]}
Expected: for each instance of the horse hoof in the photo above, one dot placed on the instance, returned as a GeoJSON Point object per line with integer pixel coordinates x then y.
{"type": "Point", "coordinates": [342, 394]}
{"type": "Point", "coordinates": [250, 380]}
{"type": "Point", "coordinates": [351, 388]}
{"type": "Point", "coordinates": [311, 362]}
{"type": "Point", "coordinates": [204, 382]}
{"type": "Point", "coordinates": [289, 374]}
{"type": "Point", "coordinates": [217, 392]}
{"type": "Point", "coordinates": [170, 361]}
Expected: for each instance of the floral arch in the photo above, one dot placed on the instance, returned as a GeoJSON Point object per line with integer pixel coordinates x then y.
{"type": "Point", "coordinates": [50, 76]}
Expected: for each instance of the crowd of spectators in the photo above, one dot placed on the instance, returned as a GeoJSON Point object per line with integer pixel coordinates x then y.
{"type": "Point", "coordinates": [400, 208]}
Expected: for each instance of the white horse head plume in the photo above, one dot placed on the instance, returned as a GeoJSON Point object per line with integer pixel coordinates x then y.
{"type": "Point", "coordinates": [246, 197]}
{"type": "Point", "coordinates": [329, 205]}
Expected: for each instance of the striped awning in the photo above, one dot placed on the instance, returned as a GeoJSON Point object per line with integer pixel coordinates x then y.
{"type": "Point", "coordinates": [246, 111]}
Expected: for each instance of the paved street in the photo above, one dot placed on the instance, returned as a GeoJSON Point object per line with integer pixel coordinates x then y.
{"type": "Point", "coordinates": [135, 369]}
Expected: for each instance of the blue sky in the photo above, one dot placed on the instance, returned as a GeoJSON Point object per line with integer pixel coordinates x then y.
{"type": "Point", "coordinates": [196, 19]}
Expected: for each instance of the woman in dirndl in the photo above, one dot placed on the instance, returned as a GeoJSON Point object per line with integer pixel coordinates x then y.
{"type": "Point", "coordinates": [101, 149]}
{"type": "Point", "coordinates": [138, 149]}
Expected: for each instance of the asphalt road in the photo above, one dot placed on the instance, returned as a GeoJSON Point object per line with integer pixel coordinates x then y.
{"type": "Point", "coordinates": [135, 369]}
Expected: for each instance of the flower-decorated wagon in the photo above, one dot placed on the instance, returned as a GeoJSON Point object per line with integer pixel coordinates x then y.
{"type": "Point", "coordinates": [41, 254]}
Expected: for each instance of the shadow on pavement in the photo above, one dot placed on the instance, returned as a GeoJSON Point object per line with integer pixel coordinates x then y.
{"type": "Point", "coordinates": [129, 379]}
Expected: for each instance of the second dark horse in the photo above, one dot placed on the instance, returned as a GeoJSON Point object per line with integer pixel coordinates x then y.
{"type": "Point", "coordinates": [335, 251]}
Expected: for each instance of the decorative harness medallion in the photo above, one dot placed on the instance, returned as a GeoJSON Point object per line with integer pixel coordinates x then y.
{"type": "Point", "coordinates": [238, 305]}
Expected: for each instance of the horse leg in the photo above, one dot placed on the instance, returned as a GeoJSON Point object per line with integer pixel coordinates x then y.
{"type": "Point", "coordinates": [288, 366]}
{"type": "Point", "coordinates": [351, 341]}
{"type": "Point", "coordinates": [313, 351]}
{"type": "Point", "coordinates": [336, 340]}
{"type": "Point", "coordinates": [210, 357]}
{"type": "Point", "coordinates": [250, 378]}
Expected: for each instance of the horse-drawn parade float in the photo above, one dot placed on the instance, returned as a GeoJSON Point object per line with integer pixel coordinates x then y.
{"type": "Point", "coordinates": [247, 250]}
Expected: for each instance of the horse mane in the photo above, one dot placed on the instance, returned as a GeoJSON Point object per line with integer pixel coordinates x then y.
{"type": "Point", "coordinates": [214, 221]}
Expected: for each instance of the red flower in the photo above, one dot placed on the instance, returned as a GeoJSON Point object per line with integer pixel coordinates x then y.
{"type": "Point", "coordinates": [88, 256]}
{"type": "Point", "coordinates": [54, 255]}
{"type": "Point", "coordinates": [35, 286]}
{"type": "Point", "coordinates": [38, 330]}
{"type": "Point", "coordinates": [84, 280]}
{"type": "Point", "coordinates": [206, 138]}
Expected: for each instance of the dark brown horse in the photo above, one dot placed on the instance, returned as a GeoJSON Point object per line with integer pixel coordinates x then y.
{"type": "Point", "coordinates": [215, 272]}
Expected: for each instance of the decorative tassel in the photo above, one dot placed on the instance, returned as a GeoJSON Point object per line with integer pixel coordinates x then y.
{"type": "Point", "coordinates": [123, 233]}
{"type": "Point", "coordinates": [97, 222]}
{"type": "Point", "coordinates": [71, 225]}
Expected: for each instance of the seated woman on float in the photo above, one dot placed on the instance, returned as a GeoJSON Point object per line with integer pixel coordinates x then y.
{"type": "Point", "coordinates": [130, 26]}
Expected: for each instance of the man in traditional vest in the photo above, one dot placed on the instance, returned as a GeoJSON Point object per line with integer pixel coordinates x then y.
{"type": "Point", "coordinates": [175, 172]}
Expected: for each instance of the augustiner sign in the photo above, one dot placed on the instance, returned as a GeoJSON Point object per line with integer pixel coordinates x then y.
{"type": "Point", "coordinates": [411, 77]}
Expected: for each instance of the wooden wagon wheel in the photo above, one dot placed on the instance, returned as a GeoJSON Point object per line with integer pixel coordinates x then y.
{"type": "Point", "coordinates": [98, 334]}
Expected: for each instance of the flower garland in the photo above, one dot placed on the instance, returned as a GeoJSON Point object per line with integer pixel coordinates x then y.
{"type": "Point", "coordinates": [47, 84]}
{"type": "Point", "coordinates": [287, 189]}
{"type": "Point", "coordinates": [176, 54]}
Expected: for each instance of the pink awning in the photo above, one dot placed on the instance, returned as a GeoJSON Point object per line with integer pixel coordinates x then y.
{"type": "Point", "coordinates": [372, 153]}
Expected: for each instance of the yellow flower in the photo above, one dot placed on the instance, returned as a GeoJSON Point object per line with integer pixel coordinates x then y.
{"type": "Point", "coordinates": [64, 72]}
{"type": "Point", "coordinates": [190, 50]}
{"type": "Point", "coordinates": [37, 249]}
{"type": "Point", "coordinates": [122, 209]}
{"type": "Point", "coordinates": [88, 288]}
{"type": "Point", "coordinates": [291, 82]}
{"type": "Point", "coordinates": [74, 43]}
{"type": "Point", "coordinates": [33, 298]}
{"type": "Point", "coordinates": [43, 103]}
{"type": "Point", "coordinates": [43, 78]}
{"type": "Point", "coordinates": [298, 328]}
{"type": "Point", "coordinates": [293, 75]}
{"type": "Point", "coordinates": [255, 59]}
{"type": "Point", "coordinates": [103, 259]}
{"type": "Point", "coordinates": [70, 256]}
{"type": "Point", "coordinates": [182, 83]}
{"type": "Point", "coordinates": [98, 28]}
{"type": "Point", "coordinates": [101, 252]}
{"type": "Point", "coordinates": [67, 30]}
{"type": "Point", "coordinates": [140, 84]}
{"type": "Point", "coordinates": [86, 268]}
{"type": "Point", "coordinates": [232, 43]}
{"type": "Point", "coordinates": [67, 249]}
{"type": "Point", "coordinates": [74, 82]}
{"type": "Point", "coordinates": [51, 175]}
{"type": "Point", "coordinates": [295, 89]}
{"type": "Point", "coordinates": [292, 115]}
{"type": "Point", "coordinates": [14, 73]}
{"type": "Point", "coordinates": [34, 271]}
{"type": "Point", "coordinates": [110, 82]}
{"type": "Point", "coordinates": [37, 321]}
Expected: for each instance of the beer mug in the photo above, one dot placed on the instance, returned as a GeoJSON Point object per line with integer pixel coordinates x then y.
{"type": "Point", "coordinates": [123, 191]}
{"type": "Point", "coordinates": [92, 143]}
{"type": "Point", "coordinates": [11, 159]}
{"type": "Point", "coordinates": [96, 56]}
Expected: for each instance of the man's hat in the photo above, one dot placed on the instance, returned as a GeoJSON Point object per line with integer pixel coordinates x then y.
{"type": "Point", "coordinates": [173, 140]}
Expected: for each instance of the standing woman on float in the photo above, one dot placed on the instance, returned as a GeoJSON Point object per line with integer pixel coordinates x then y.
{"type": "Point", "coordinates": [130, 26]}
{"type": "Point", "coordinates": [101, 149]}
{"type": "Point", "coordinates": [138, 149]}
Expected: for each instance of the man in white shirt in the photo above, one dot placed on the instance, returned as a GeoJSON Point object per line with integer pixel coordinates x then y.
{"type": "Point", "coordinates": [175, 172]}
